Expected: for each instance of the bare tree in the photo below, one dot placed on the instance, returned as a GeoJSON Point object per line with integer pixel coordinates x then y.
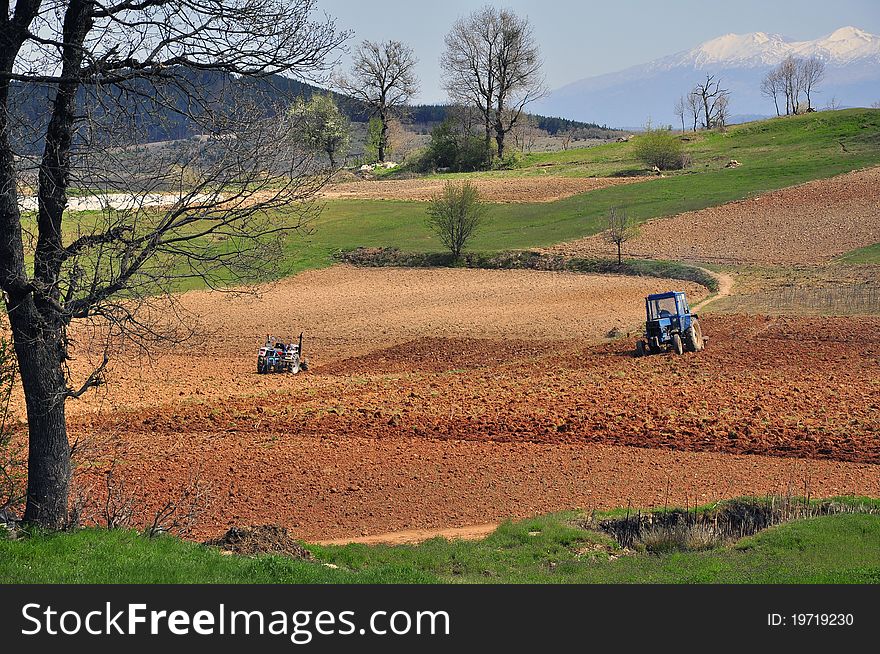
{"type": "Point", "coordinates": [567, 136]}
{"type": "Point", "coordinates": [383, 78]}
{"type": "Point", "coordinates": [693, 104]}
{"type": "Point", "coordinates": [456, 214]}
{"type": "Point", "coordinates": [772, 86]}
{"type": "Point", "coordinates": [492, 61]}
{"type": "Point", "coordinates": [812, 72]}
{"type": "Point", "coordinates": [102, 67]}
{"type": "Point", "coordinates": [526, 134]}
{"type": "Point", "coordinates": [620, 230]}
{"type": "Point", "coordinates": [712, 99]}
{"type": "Point", "coordinates": [680, 110]}
{"type": "Point", "coordinates": [789, 73]}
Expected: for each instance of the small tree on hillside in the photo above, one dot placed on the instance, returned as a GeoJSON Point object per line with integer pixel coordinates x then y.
{"type": "Point", "coordinates": [681, 110]}
{"type": "Point", "coordinates": [456, 214]}
{"type": "Point", "coordinates": [620, 230]}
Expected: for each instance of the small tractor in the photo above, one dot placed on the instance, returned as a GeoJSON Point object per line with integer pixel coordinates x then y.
{"type": "Point", "coordinates": [670, 325]}
{"type": "Point", "coordinates": [278, 356]}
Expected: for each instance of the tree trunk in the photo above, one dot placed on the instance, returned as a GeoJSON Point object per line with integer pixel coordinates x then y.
{"type": "Point", "coordinates": [383, 137]}
{"type": "Point", "coordinates": [40, 352]}
{"type": "Point", "coordinates": [776, 103]}
{"type": "Point", "coordinates": [619, 253]}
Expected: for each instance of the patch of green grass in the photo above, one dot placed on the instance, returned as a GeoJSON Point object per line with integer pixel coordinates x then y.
{"type": "Point", "coordinates": [867, 255]}
{"type": "Point", "coordinates": [774, 154]}
{"type": "Point", "coordinates": [117, 556]}
{"type": "Point", "coordinates": [843, 548]}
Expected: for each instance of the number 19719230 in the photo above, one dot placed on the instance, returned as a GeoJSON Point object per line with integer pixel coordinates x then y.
{"type": "Point", "coordinates": [810, 620]}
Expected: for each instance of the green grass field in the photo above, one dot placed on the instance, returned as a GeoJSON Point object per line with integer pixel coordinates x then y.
{"type": "Point", "coordinates": [774, 153]}
{"type": "Point", "coordinates": [841, 548]}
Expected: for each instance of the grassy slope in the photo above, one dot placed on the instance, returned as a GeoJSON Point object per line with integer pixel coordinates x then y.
{"type": "Point", "coordinates": [775, 154]}
{"type": "Point", "coordinates": [835, 549]}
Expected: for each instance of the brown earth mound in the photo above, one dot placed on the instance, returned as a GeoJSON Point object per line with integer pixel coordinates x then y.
{"type": "Point", "coordinates": [502, 189]}
{"type": "Point", "coordinates": [810, 223]}
{"type": "Point", "coordinates": [263, 539]}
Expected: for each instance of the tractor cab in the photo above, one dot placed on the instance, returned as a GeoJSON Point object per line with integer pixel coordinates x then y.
{"type": "Point", "coordinates": [669, 324]}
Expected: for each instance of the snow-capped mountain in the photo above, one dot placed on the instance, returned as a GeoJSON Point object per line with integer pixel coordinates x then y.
{"type": "Point", "coordinates": [631, 96]}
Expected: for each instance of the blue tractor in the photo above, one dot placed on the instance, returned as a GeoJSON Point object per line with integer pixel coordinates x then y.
{"type": "Point", "coordinates": [670, 325]}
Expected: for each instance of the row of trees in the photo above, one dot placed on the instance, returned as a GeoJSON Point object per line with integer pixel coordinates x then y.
{"type": "Point", "coordinates": [707, 105]}
{"type": "Point", "coordinates": [491, 64]}
{"type": "Point", "coordinates": [791, 79]}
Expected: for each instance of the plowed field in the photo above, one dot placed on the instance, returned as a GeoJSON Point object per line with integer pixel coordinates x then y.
{"type": "Point", "coordinates": [456, 414]}
{"type": "Point", "coordinates": [805, 224]}
{"type": "Point", "coordinates": [505, 189]}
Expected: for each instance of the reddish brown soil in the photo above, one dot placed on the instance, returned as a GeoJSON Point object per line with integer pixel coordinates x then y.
{"type": "Point", "coordinates": [501, 189]}
{"type": "Point", "coordinates": [810, 223]}
{"type": "Point", "coordinates": [421, 443]}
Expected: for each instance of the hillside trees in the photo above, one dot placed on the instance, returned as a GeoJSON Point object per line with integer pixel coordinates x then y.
{"type": "Point", "coordinates": [114, 272]}
{"type": "Point", "coordinates": [791, 78]}
{"type": "Point", "coordinates": [383, 78]}
{"type": "Point", "coordinates": [492, 62]}
{"type": "Point", "coordinates": [713, 101]}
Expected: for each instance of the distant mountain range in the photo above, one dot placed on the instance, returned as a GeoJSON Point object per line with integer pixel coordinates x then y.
{"type": "Point", "coordinates": [630, 97]}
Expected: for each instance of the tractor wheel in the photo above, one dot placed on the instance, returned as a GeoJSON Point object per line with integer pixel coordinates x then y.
{"type": "Point", "coordinates": [640, 348]}
{"type": "Point", "coordinates": [304, 365]}
{"type": "Point", "coordinates": [677, 345]}
{"type": "Point", "coordinates": [261, 366]}
{"type": "Point", "coordinates": [699, 341]}
{"type": "Point", "coordinates": [695, 337]}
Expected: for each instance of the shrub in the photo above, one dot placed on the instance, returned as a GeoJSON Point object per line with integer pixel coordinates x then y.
{"type": "Point", "coordinates": [453, 150]}
{"type": "Point", "coordinates": [660, 148]}
{"type": "Point", "coordinates": [456, 214]}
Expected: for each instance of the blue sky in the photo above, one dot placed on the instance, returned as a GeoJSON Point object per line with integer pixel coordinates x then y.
{"type": "Point", "coordinates": [581, 39]}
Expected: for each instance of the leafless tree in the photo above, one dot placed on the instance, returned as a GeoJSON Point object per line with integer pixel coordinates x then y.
{"type": "Point", "coordinates": [492, 62]}
{"type": "Point", "coordinates": [567, 137]}
{"type": "Point", "coordinates": [812, 72]}
{"type": "Point", "coordinates": [772, 86]}
{"type": "Point", "coordinates": [383, 78]}
{"type": "Point", "coordinates": [102, 67]}
{"type": "Point", "coordinates": [712, 99]}
{"type": "Point", "coordinates": [693, 105]}
{"type": "Point", "coordinates": [620, 230]}
{"type": "Point", "coordinates": [790, 74]}
{"type": "Point", "coordinates": [680, 110]}
{"type": "Point", "coordinates": [526, 134]}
